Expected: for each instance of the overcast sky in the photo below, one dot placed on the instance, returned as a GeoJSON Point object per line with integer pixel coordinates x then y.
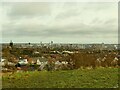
{"type": "Point", "coordinates": [94, 22]}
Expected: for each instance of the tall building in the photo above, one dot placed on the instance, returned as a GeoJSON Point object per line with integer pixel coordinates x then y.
{"type": "Point", "coordinates": [51, 42]}
{"type": "Point", "coordinates": [11, 44]}
{"type": "Point", "coordinates": [102, 46]}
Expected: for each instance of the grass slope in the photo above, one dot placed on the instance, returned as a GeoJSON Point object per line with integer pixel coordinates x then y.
{"type": "Point", "coordinates": [94, 78]}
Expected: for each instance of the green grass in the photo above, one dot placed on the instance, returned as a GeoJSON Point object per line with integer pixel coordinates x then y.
{"type": "Point", "coordinates": [94, 78]}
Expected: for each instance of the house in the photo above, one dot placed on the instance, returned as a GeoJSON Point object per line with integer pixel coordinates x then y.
{"type": "Point", "coordinates": [39, 60]}
{"type": "Point", "coordinates": [3, 62]}
{"type": "Point", "coordinates": [36, 52]}
{"type": "Point", "coordinates": [23, 62]}
{"type": "Point", "coordinates": [69, 52]}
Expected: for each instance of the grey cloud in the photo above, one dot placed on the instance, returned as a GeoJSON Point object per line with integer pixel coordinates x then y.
{"type": "Point", "coordinates": [111, 21]}
{"type": "Point", "coordinates": [24, 9]}
{"type": "Point", "coordinates": [50, 23]}
{"type": "Point", "coordinates": [67, 14]}
{"type": "Point", "coordinates": [44, 31]}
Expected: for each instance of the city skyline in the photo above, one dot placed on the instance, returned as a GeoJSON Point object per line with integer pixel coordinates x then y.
{"type": "Point", "coordinates": [78, 22]}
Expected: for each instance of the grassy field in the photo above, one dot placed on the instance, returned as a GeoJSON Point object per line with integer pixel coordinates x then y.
{"type": "Point", "coordinates": [93, 78]}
